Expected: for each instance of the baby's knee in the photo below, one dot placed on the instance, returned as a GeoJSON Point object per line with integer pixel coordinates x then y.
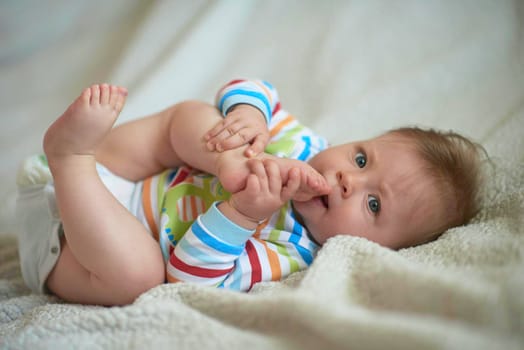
{"type": "Point", "coordinates": [191, 110]}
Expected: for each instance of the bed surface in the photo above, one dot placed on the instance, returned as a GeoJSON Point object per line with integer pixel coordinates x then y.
{"type": "Point", "coordinates": [347, 69]}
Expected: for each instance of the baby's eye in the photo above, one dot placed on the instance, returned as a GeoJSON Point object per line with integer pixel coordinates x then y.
{"type": "Point", "coordinates": [360, 159]}
{"type": "Point", "coordinates": [373, 204]}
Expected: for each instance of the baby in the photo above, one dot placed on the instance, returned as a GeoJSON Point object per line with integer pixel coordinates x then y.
{"type": "Point", "coordinates": [188, 195]}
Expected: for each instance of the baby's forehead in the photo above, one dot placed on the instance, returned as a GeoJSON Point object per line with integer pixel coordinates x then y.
{"type": "Point", "coordinates": [408, 177]}
{"type": "Point", "coordinates": [391, 141]}
{"type": "Point", "coordinates": [412, 185]}
{"type": "Point", "coordinates": [417, 193]}
{"type": "Point", "coordinates": [393, 138]}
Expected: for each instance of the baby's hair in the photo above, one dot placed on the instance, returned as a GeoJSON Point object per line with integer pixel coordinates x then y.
{"type": "Point", "coordinates": [455, 164]}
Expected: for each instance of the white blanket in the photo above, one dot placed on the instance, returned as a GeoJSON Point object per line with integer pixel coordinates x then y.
{"type": "Point", "coordinates": [348, 69]}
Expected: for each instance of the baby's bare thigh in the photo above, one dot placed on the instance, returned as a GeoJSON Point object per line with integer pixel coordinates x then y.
{"type": "Point", "coordinates": [71, 281]}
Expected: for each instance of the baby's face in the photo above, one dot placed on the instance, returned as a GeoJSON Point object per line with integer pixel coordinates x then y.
{"type": "Point", "coordinates": [379, 192]}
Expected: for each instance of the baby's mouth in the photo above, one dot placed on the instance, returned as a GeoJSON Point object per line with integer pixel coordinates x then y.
{"type": "Point", "coordinates": [325, 201]}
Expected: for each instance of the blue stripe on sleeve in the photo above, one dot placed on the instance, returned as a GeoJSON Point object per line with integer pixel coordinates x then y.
{"type": "Point", "coordinates": [239, 92]}
{"type": "Point", "coordinates": [197, 253]}
{"type": "Point", "coordinates": [266, 83]}
{"type": "Point", "coordinates": [212, 242]}
{"type": "Point", "coordinates": [252, 101]}
{"type": "Point", "coordinates": [223, 228]}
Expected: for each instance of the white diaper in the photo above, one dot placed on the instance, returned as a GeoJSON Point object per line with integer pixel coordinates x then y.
{"type": "Point", "coordinates": [39, 222]}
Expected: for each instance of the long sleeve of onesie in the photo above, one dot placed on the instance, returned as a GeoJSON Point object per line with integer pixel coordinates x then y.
{"type": "Point", "coordinates": [214, 250]}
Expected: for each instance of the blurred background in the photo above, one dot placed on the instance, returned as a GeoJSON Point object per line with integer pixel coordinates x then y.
{"type": "Point", "coordinates": [349, 69]}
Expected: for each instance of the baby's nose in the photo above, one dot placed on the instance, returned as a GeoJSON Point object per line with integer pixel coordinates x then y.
{"type": "Point", "coordinates": [351, 181]}
{"type": "Point", "coordinates": [344, 181]}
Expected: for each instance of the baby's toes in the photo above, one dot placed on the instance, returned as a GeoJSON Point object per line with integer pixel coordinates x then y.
{"type": "Point", "coordinates": [95, 95]}
{"type": "Point", "coordinates": [85, 97]}
{"type": "Point", "coordinates": [105, 94]}
{"type": "Point", "coordinates": [113, 96]}
{"type": "Point", "coordinates": [120, 99]}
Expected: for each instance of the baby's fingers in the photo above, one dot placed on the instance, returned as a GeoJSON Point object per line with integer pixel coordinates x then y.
{"type": "Point", "coordinates": [237, 139]}
{"type": "Point", "coordinates": [258, 169]}
{"type": "Point", "coordinates": [273, 177]}
{"type": "Point", "coordinates": [221, 131]}
{"type": "Point", "coordinates": [258, 145]}
{"type": "Point", "coordinates": [220, 127]}
{"type": "Point", "coordinates": [221, 142]}
{"type": "Point", "coordinates": [252, 185]}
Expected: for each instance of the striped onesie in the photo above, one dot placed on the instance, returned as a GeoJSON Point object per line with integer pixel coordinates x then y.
{"type": "Point", "coordinates": [201, 245]}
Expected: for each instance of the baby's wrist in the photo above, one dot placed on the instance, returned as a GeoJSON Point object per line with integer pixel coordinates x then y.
{"type": "Point", "coordinates": [229, 210]}
{"type": "Point", "coordinates": [249, 108]}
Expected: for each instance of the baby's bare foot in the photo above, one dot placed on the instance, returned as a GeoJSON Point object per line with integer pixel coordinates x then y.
{"type": "Point", "coordinates": [312, 183]}
{"type": "Point", "coordinates": [85, 123]}
{"type": "Point", "coordinates": [232, 170]}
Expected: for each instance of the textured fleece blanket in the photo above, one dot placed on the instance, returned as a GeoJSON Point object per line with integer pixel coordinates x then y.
{"type": "Point", "coordinates": [349, 69]}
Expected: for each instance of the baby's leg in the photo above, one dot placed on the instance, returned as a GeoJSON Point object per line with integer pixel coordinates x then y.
{"type": "Point", "coordinates": [108, 254]}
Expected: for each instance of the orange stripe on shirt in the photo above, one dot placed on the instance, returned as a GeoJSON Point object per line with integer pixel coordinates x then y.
{"type": "Point", "coordinates": [289, 119]}
{"type": "Point", "coordinates": [274, 262]}
{"type": "Point", "coordinates": [185, 208]}
{"type": "Point", "coordinates": [172, 279]}
{"type": "Point", "coordinates": [148, 209]}
{"type": "Point", "coordinates": [272, 257]}
{"type": "Point", "coordinates": [194, 210]}
{"type": "Point", "coordinates": [259, 228]}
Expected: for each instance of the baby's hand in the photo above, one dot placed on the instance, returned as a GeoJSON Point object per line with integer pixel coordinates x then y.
{"type": "Point", "coordinates": [264, 193]}
{"type": "Point", "coordinates": [244, 124]}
